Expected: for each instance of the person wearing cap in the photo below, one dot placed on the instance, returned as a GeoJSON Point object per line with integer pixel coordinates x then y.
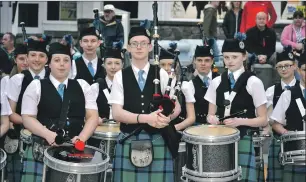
{"type": "Point", "coordinates": [285, 66]}
{"type": "Point", "coordinates": [110, 27]}
{"type": "Point", "coordinates": [250, 100]}
{"type": "Point", "coordinates": [132, 92]}
{"type": "Point", "coordinates": [293, 34]}
{"type": "Point", "coordinates": [88, 67]}
{"type": "Point", "coordinates": [203, 61]}
{"type": "Point", "coordinates": [42, 106]}
{"type": "Point", "coordinates": [287, 117]}
{"type": "Point", "coordinates": [20, 57]}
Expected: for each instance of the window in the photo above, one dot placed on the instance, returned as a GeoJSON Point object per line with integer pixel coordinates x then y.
{"type": "Point", "coordinates": [130, 6]}
{"type": "Point", "coordinates": [61, 10]}
{"type": "Point", "coordinates": [28, 13]}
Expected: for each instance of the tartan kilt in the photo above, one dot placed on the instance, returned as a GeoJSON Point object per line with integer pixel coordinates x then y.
{"type": "Point", "coordinates": [32, 170]}
{"type": "Point", "coordinates": [294, 173]}
{"type": "Point", "coordinates": [275, 169]}
{"type": "Point", "coordinates": [260, 172]}
{"type": "Point", "coordinates": [13, 167]}
{"type": "Point", "coordinates": [246, 159]}
{"type": "Point", "coordinates": [161, 168]}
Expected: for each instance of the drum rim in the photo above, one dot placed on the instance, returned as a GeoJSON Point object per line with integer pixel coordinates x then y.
{"type": "Point", "coordinates": [67, 165]}
{"type": "Point", "coordinates": [297, 135]}
{"type": "Point", "coordinates": [3, 160]}
{"type": "Point", "coordinates": [105, 135]}
{"type": "Point", "coordinates": [213, 175]}
{"type": "Point", "coordinates": [211, 140]}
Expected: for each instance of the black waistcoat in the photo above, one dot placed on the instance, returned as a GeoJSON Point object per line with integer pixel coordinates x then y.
{"type": "Point", "coordinates": [83, 72]}
{"type": "Point", "coordinates": [102, 102]}
{"type": "Point", "coordinates": [201, 105]}
{"type": "Point", "coordinates": [50, 105]}
{"type": "Point", "coordinates": [243, 100]}
{"type": "Point", "coordinates": [135, 100]}
{"type": "Point", "coordinates": [293, 115]}
{"type": "Point", "coordinates": [278, 92]}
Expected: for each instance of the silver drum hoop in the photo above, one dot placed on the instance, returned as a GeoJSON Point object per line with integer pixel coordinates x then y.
{"type": "Point", "coordinates": [257, 141]}
{"type": "Point", "coordinates": [3, 157]}
{"type": "Point", "coordinates": [291, 136]}
{"type": "Point", "coordinates": [211, 140]}
{"type": "Point", "coordinates": [215, 176]}
{"type": "Point", "coordinates": [25, 138]}
{"type": "Point", "coordinates": [297, 157]}
{"type": "Point", "coordinates": [75, 168]}
{"type": "Point", "coordinates": [105, 135]}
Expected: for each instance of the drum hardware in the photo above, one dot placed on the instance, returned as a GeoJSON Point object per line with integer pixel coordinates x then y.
{"type": "Point", "coordinates": [3, 158]}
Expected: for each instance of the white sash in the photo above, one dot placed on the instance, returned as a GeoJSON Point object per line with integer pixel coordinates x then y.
{"type": "Point", "coordinates": [229, 97]}
{"type": "Point", "coordinates": [107, 95]}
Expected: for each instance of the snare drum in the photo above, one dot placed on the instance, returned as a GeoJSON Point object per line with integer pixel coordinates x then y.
{"type": "Point", "coordinates": [108, 134]}
{"type": "Point", "coordinates": [3, 157]}
{"type": "Point", "coordinates": [212, 153]}
{"type": "Point", "coordinates": [180, 162]}
{"type": "Point", "coordinates": [293, 146]}
{"type": "Point", "coordinates": [83, 170]}
{"type": "Point", "coordinates": [258, 147]}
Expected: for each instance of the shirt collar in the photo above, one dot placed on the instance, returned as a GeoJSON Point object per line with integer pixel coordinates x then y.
{"type": "Point", "coordinates": [41, 74]}
{"type": "Point", "coordinates": [145, 69]}
{"type": "Point", "coordinates": [237, 73]}
{"type": "Point", "coordinates": [209, 75]}
{"type": "Point", "coordinates": [94, 61]}
{"type": "Point", "coordinates": [56, 83]}
{"type": "Point", "coordinates": [108, 82]}
{"type": "Point", "coordinates": [292, 83]}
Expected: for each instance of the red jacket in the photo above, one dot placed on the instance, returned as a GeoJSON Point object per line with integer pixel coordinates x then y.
{"type": "Point", "coordinates": [250, 10]}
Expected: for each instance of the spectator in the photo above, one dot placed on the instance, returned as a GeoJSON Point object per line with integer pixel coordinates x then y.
{"type": "Point", "coordinates": [210, 26]}
{"type": "Point", "coordinates": [294, 33]}
{"type": "Point", "coordinates": [261, 40]}
{"type": "Point", "coordinates": [232, 20]}
{"type": "Point", "coordinates": [8, 42]}
{"type": "Point", "coordinates": [250, 10]}
{"type": "Point", "coordinates": [110, 28]}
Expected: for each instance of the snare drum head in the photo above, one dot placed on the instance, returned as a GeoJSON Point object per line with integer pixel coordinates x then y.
{"type": "Point", "coordinates": [108, 128]}
{"type": "Point", "coordinates": [211, 130]}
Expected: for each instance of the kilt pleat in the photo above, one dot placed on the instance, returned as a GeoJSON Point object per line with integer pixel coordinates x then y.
{"type": "Point", "coordinates": [260, 173]}
{"type": "Point", "coordinates": [13, 167]}
{"type": "Point", "coordinates": [294, 173]}
{"type": "Point", "coordinates": [32, 170]}
{"type": "Point", "coordinates": [246, 159]}
{"type": "Point", "coordinates": [275, 169]}
{"type": "Point", "coordinates": [160, 170]}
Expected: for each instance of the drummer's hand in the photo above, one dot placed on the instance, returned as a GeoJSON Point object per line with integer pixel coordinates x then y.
{"type": "Point", "coordinates": [101, 120]}
{"type": "Point", "coordinates": [284, 131]}
{"type": "Point", "coordinates": [212, 119]}
{"type": "Point", "coordinates": [74, 139]}
{"type": "Point", "coordinates": [50, 137]}
{"type": "Point", "coordinates": [234, 122]}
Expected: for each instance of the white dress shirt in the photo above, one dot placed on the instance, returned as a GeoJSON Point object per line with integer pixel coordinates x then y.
{"type": "Point", "coordinates": [15, 83]}
{"type": "Point", "coordinates": [254, 87]}
{"type": "Point", "coordinates": [73, 71]}
{"type": "Point", "coordinates": [5, 106]}
{"type": "Point", "coordinates": [279, 112]}
{"type": "Point", "coordinates": [31, 97]}
{"type": "Point", "coordinates": [270, 91]}
{"type": "Point", "coordinates": [117, 95]}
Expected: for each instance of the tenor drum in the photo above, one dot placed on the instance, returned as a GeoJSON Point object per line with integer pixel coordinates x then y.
{"type": "Point", "coordinates": [108, 134]}
{"type": "Point", "coordinates": [180, 162]}
{"type": "Point", "coordinates": [59, 168]}
{"type": "Point", "coordinates": [212, 153]}
{"type": "Point", "coordinates": [3, 157]}
{"type": "Point", "coordinates": [258, 147]}
{"type": "Point", "coordinates": [293, 147]}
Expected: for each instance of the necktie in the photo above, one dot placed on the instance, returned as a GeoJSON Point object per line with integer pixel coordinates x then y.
{"type": "Point", "coordinates": [36, 77]}
{"type": "Point", "coordinates": [205, 81]}
{"type": "Point", "coordinates": [60, 90]}
{"type": "Point", "coordinates": [91, 70]}
{"type": "Point", "coordinates": [141, 80]}
{"type": "Point", "coordinates": [232, 80]}
{"type": "Point", "coordinates": [304, 93]}
{"type": "Point", "coordinates": [287, 87]}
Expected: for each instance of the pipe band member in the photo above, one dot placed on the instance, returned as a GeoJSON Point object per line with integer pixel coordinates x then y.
{"type": "Point", "coordinates": [88, 67]}
{"type": "Point", "coordinates": [288, 117]}
{"type": "Point", "coordinates": [42, 106]}
{"type": "Point", "coordinates": [132, 92]}
{"type": "Point", "coordinates": [285, 66]}
{"type": "Point", "coordinates": [234, 91]}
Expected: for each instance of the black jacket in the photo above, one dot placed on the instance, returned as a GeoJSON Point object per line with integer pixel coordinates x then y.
{"type": "Point", "coordinates": [261, 42]}
{"type": "Point", "coordinates": [111, 32]}
{"type": "Point", "coordinates": [229, 23]}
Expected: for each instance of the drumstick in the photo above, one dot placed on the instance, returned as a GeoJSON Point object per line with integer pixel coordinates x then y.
{"type": "Point", "coordinates": [233, 115]}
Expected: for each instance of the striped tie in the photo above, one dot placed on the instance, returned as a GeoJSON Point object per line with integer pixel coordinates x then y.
{"type": "Point", "coordinates": [141, 80]}
{"type": "Point", "coordinates": [60, 90]}
{"type": "Point", "coordinates": [91, 69]}
{"type": "Point", "coordinates": [232, 80]}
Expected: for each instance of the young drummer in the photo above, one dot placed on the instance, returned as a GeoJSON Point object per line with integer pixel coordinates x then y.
{"type": "Point", "coordinates": [88, 67]}
{"type": "Point", "coordinates": [285, 67]}
{"type": "Point", "coordinates": [42, 106]}
{"type": "Point", "coordinates": [132, 92]}
{"type": "Point", "coordinates": [288, 117]}
{"type": "Point", "coordinates": [250, 96]}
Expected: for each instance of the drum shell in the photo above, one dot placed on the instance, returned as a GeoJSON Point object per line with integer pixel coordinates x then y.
{"type": "Point", "coordinates": [62, 171]}
{"type": "Point", "coordinates": [180, 161]}
{"type": "Point", "coordinates": [258, 144]}
{"type": "Point", "coordinates": [293, 141]}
